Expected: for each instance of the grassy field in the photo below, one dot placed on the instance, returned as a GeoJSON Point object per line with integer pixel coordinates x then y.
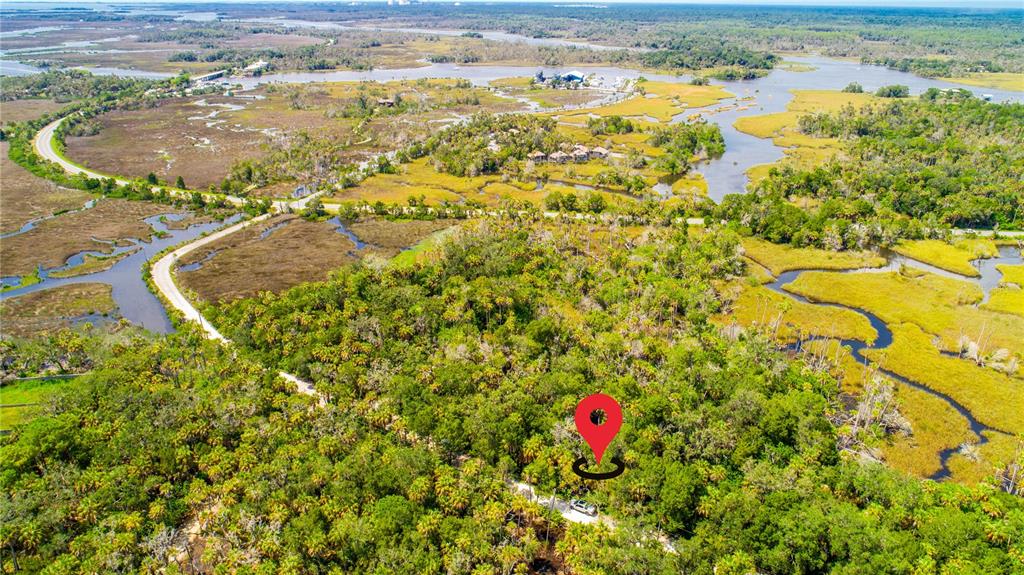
{"type": "Point", "coordinates": [955, 257]}
{"type": "Point", "coordinates": [585, 173]}
{"type": "Point", "coordinates": [418, 180]}
{"type": "Point", "coordinates": [122, 48]}
{"type": "Point", "coordinates": [1000, 80]}
{"type": "Point", "coordinates": [29, 109]}
{"type": "Point", "coordinates": [692, 184]}
{"type": "Point", "coordinates": [796, 67]}
{"type": "Point", "coordinates": [201, 138]}
{"type": "Point", "coordinates": [91, 264]}
{"type": "Point", "coordinates": [497, 192]}
{"type": "Point", "coordinates": [21, 392]}
{"type": "Point", "coordinates": [787, 320]}
{"type": "Point", "coordinates": [993, 398]}
{"type": "Point", "coordinates": [686, 95]}
{"type": "Point", "coordinates": [415, 180]}
{"type": "Point", "coordinates": [986, 459]}
{"type": "Point", "coordinates": [245, 264]}
{"type": "Point", "coordinates": [545, 97]}
{"type": "Point", "coordinates": [176, 138]}
{"type": "Point", "coordinates": [935, 425]}
{"type": "Point", "coordinates": [612, 199]}
{"type": "Point", "coordinates": [390, 237]}
{"type": "Point", "coordinates": [801, 150]}
{"type": "Point", "coordinates": [25, 197]}
{"type": "Point", "coordinates": [781, 258]}
{"type": "Point", "coordinates": [424, 249]}
{"type": "Point", "coordinates": [660, 103]}
{"type": "Point", "coordinates": [49, 309]}
{"type": "Point", "coordinates": [296, 251]}
{"type": "Point", "coordinates": [938, 305]}
{"type": "Point", "coordinates": [803, 102]}
{"type": "Point", "coordinates": [622, 143]}
{"type": "Point", "coordinates": [1006, 300]}
{"type": "Point", "coordinates": [1012, 274]}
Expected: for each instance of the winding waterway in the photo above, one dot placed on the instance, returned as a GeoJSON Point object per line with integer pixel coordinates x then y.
{"type": "Point", "coordinates": [131, 294]}
{"type": "Point", "coordinates": [988, 280]}
{"type": "Point", "coordinates": [724, 175]}
{"type": "Point", "coordinates": [767, 95]}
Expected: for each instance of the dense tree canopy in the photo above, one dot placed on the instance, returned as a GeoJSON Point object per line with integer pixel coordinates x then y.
{"type": "Point", "coordinates": [442, 381]}
{"type": "Point", "coordinates": [909, 168]}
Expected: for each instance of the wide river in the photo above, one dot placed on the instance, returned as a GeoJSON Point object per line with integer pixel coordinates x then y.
{"type": "Point", "coordinates": [724, 175]}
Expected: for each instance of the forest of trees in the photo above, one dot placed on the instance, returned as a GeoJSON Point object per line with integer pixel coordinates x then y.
{"type": "Point", "coordinates": [698, 52]}
{"type": "Point", "coordinates": [684, 141]}
{"type": "Point", "coordinates": [67, 86]}
{"type": "Point", "coordinates": [463, 149]}
{"type": "Point", "coordinates": [442, 381]}
{"type": "Point", "coordinates": [910, 168]}
{"type": "Point", "coordinates": [927, 41]}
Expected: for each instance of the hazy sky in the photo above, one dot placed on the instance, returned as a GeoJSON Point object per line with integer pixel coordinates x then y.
{"type": "Point", "coordinates": [874, 3]}
{"type": "Point", "coordinates": [963, 3]}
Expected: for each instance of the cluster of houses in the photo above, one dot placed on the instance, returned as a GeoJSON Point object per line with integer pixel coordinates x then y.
{"type": "Point", "coordinates": [578, 153]}
{"type": "Point", "coordinates": [569, 79]}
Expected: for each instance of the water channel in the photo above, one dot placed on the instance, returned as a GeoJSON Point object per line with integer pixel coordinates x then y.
{"type": "Point", "coordinates": [134, 300]}
{"type": "Point", "coordinates": [988, 280]}
{"type": "Point", "coordinates": [724, 175]}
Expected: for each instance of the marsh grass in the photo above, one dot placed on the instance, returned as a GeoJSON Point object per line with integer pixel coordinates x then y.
{"type": "Point", "coordinates": [940, 306]}
{"type": "Point", "coordinates": [91, 264]}
{"type": "Point", "coordinates": [781, 258]}
{"type": "Point", "coordinates": [53, 241]}
{"type": "Point", "coordinates": [995, 399]}
{"type": "Point", "coordinates": [955, 257]}
{"type": "Point", "coordinates": [1012, 274]}
{"type": "Point", "coordinates": [687, 95]}
{"type": "Point", "coordinates": [25, 197]}
{"type": "Point", "coordinates": [977, 464]}
{"type": "Point", "coordinates": [801, 150]}
{"type": "Point", "coordinates": [52, 308]}
{"type": "Point", "coordinates": [787, 320]}
{"type": "Point", "coordinates": [1006, 300]}
{"type": "Point", "coordinates": [26, 392]}
{"type": "Point", "coordinates": [935, 425]}
{"type": "Point", "coordinates": [1000, 80]}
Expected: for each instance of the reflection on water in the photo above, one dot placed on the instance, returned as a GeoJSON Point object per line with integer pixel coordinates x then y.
{"type": "Point", "coordinates": [990, 276]}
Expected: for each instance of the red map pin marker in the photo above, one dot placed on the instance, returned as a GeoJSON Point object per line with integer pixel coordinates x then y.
{"type": "Point", "coordinates": [598, 436]}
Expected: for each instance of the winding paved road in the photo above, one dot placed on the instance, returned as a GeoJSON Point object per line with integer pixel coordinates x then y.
{"type": "Point", "coordinates": [163, 269]}
{"type": "Point", "coordinates": [42, 143]}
